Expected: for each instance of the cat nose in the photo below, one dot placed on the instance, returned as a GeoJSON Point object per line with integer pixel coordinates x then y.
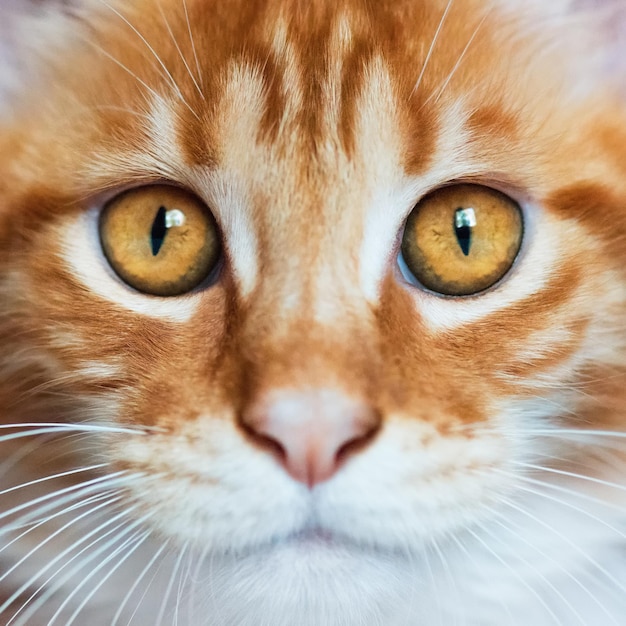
{"type": "Point", "coordinates": [311, 433]}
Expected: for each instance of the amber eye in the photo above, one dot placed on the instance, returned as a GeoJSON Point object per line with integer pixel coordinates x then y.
{"type": "Point", "coordinates": [159, 239]}
{"type": "Point", "coordinates": [462, 239]}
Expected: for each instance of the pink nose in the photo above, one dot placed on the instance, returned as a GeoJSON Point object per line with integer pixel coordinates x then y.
{"type": "Point", "coordinates": [311, 432]}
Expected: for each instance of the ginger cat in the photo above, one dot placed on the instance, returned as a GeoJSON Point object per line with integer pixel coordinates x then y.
{"type": "Point", "coordinates": [312, 313]}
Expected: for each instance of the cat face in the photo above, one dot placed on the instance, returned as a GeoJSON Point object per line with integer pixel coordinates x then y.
{"type": "Point", "coordinates": [337, 282]}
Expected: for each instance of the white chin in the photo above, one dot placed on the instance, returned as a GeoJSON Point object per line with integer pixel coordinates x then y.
{"type": "Point", "coordinates": [309, 581]}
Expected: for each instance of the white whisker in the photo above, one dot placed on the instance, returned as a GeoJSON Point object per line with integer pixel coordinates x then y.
{"type": "Point", "coordinates": [542, 553]}
{"type": "Point", "coordinates": [433, 581]}
{"type": "Point", "coordinates": [129, 529]}
{"type": "Point", "coordinates": [533, 591]}
{"type": "Point", "coordinates": [136, 583]}
{"type": "Point", "coordinates": [147, 588]}
{"type": "Point", "coordinates": [158, 59]}
{"type": "Point", "coordinates": [472, 559]}
{"type": "Point", "coordinates": [82, 488]}
{"type": "Point", "coordinates": [139, 539]}
{"type": "Point", "coordinates": [170, 585]}
{"type": "Point", "coordinates": [569, 492]}
{"type": "Point", "coordinates": [168, 75]}
{"type": "Point", "coordinates": [445, 84]}
{"type": "Point", "coordinates": [47, 539]}
{"type": "Point", "coordinates": [180, 52]}
{"type": "Point", "coordinates": [193, 45]}
{"type": "Point", "coordinates": [573, 507]}
{"type": "Point", "coordinates": [545, 581]}
{"type": "Point", "coordinates": [111, 107]}
{"type": "Point", "coordinates": [54, 427]}
{"type": "Point", "coordinates": [73, 507]}
{"type": "Point", "coordinates": [88, 468]}
{"type": "Point", "coordinates": [432, 47]}
{"type": "Point", "coordinates": [568, 541]}
{"type": "Point", "coordinates": [574, 432]}
{"type": "Point", "coordinates": [591, 479]}
{"type": "Point", "coordinates": [109, 56]}
{"type": "Point", "coordinates": [182, 583]}
{"type": "Point", "coordinates": [49, 564]}
{"type": "Point", "coordinates": [448, 572]}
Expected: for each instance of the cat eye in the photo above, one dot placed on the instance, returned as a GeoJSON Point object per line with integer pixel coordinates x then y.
{"type": "Point", "coordinates": [160, 239]}
{"type": "Point", "coordinates": [462, 239]}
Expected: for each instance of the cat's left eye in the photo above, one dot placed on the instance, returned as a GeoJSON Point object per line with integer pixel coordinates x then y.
{"type": "Point", "coordinates": [160, 239]}
{"type": "Point", "coordinates": [462, 239]}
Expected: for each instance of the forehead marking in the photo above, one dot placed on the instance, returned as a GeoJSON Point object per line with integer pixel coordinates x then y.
{"type": "Point", "coordinates": [379, 146]}
{"type": "Point", "coordinates": [292, 88]}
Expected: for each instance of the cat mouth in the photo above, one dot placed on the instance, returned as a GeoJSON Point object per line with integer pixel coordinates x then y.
{"type": "Point", "coordinates": [317, 537]}
{"type": "Point", "coordinates": [318, 540]}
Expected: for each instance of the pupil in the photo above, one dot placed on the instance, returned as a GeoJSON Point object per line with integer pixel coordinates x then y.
{"type": "Point", "coordinates": [464, 237]}
{"type": "Point", "coordinates": [159, 230]}
{"type": "Point", "coordinates": [464, 221]}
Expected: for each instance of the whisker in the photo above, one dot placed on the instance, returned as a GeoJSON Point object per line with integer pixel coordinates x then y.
{"type": "Point", "coordinates": [591, 479]}
{"type": "Point", "coordinates": [111, 107]}
{"type": "Point", "coordinates": [433, 580]}
{"type": "Point", "coordinates": [193, 45]}
{"type": "Point", "coordinates": [569, 542]}
{"type": "Point", "coordinates": [24, 450]}
{"type": "Point", "coordinates": [47, 539]}
{"type": "Point", "coordinates": [169, 76]}
{"type": "Point", "coordinates": [53, 427]}
{"type": "Point", "coordinates": [84, 487]}
{"type": "Point", "coordinates": [180, 53]}
{"type": "Point", "coordinates": [170, 585]}
{"type": "Point", "coordinates": [545, 581]}
{"type": "Point", "coordinates": [472, 559]}
{"type": "Point", "coordinates": [88, 468]}
{"type": "Point", "coordinates": [109, 56]}
{"type": "Point", "coordinates": [432, 47]}
{"type": "Point", "coordinates": [78, 505]}
{"type": "Point", "coordinates": [456, 65]}
{"type": "Point", "coordinates": [533, 591]}
{"type": "Point", "coordinates": [138, 542]}
{"type": "Point", "coordinates": [182, 583]}
{"type": "Point", "coordinates": [195, 580]}
{"type": "Point", "coordinates": [158, 59]}
{"type": "Point", "coordinates": [575, 432]}
{"type": "Point", "coordinates": [138, 580]}
{"type": "Point", "coordinates": [573, 507]}
{"type": "Point", "coordinates": [569, 492]}
{"type": "Point", "coordinates": [552, 560]}
{"type": "Point", "coordinates": [448, 572]}
{"type": "Point", "coordinates": [147, 588]}
{"type": "Point", "coordinates": [56, 559]}
{"type": "Point", "coordinates": [129, 529]}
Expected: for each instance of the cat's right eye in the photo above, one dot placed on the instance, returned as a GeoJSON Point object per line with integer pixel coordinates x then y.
{"type": "Point", "coordinates": [159, 239]}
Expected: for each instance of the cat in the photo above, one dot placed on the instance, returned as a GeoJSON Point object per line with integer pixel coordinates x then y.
{"type": "Point", "coordinates": [312, 313]}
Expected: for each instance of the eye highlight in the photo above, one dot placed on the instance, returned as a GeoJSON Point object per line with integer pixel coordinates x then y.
{"type": "Point", "coordinates": [159, 239]}
{"type": "Point", "coordinates": [460, 240]}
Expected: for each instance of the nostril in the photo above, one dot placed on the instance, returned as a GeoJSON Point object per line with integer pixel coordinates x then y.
{"type": "Point", "coordinates": [268, 443]}
{"type": "Point", "coordinates": [354, 446]}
